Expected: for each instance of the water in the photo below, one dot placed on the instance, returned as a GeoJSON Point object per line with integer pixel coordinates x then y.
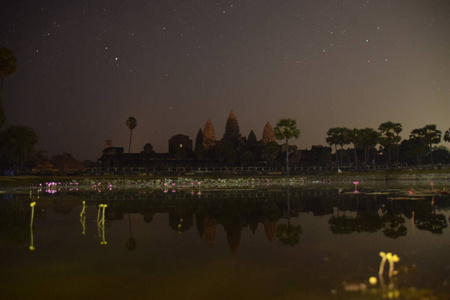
{"type": "Point", "coordinates": [268, 243]}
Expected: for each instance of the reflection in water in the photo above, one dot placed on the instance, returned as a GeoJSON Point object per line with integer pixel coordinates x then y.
{"type": "Point", "coordinates": [391, 290]}
{"type": "Point", "coordinates": [234, 212]}
{"type": "Point", "coordinates": [394, 225]}
{"type": "Point", "coordinates": [101, 223]}
{"type": "Point", "coordinates": [210, 229]}
{"type": "Point", "coordinates": [83, 218]}
{"type": "Point", "coordinates": [356, 187]}
{"type": "Point", "coordinates": [341, 233]}
{"type": "Point", "coordinates": [288, 234]}
{"type": "Point", "coordinates": [131, 242]}
{"type": "Point", "coordinates": [391, 258]}
{"type": "Point", "coordinates": [347, 212]}
{"type": "Point", "coordinates": [428, 219]}
{"type": "Point", "coordinates": [32, 205]}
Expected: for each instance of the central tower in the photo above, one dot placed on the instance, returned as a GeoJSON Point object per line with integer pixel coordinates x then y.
{"type": "Point", "coordinates": [232, 133]}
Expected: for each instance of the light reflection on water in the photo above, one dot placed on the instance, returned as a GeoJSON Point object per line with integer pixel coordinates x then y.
{"type": "Point", "coordinates": [269, 244]}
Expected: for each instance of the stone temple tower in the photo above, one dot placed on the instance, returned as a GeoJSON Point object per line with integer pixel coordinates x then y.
{"type": "Point", "coordinates": [268, 135]}
{"type": "Point", "coordinates": [209, 136]}
{"type": "Point", "coordinates": [232, 133]}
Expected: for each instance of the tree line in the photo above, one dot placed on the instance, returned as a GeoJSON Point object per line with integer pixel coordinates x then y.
{"type": "Point", "coordinates": [420, 144]}
{"type": "Point", "coordinates": [17, 142]}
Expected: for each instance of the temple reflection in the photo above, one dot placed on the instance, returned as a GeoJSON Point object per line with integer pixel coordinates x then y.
{"type": "Point", "coordinates": [277, 212]}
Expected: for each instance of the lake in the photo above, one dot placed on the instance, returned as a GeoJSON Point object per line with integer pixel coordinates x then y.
{"type": "Point", "coordinates": [315, 241]}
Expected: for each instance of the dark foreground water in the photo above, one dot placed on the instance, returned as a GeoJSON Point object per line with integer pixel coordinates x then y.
{"type": "Point", "coordinates": [274, 243]}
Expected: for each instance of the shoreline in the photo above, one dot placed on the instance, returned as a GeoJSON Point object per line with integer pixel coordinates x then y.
{"type": "Point", "coordinates": [443, 176]}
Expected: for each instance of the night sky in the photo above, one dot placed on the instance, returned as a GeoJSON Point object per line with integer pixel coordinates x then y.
{"type": "Point", "coordinates": [84, 67]}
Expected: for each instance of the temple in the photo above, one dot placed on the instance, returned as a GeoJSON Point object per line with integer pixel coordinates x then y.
{"type": "Point", "coordinates": [233, 149]}
{"type": "Point", "coordinates": [209, 136]}
{"type": "Point", "coordinates": [268, 134]}
{"type": "Point", "coordinates": [232, 134]}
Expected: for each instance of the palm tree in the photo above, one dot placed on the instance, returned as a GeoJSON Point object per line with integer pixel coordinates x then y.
{"type": "Point", "coordinates": [429, 135]}
{"type": "Point", "coordinates": [368, 140]}
{"type": "Point", "coordinates": [7, 67]}
{"type": "Point", "coordinates": [414, 148]}
{"type": "Point", "coordinates": [355, 136]}
{"type": "Point", "coordinates": [339, 136]}
{"type": "Point", "coordinates": [389, 136]}
{"type": "Point", "coordinates": [447, 135]}
{"type": "Point", "coordinates": [286, 129]}
{"type": "Point", "coordinates": [131, 124]}
{"type": "Point", "coordinates": [333, 139]}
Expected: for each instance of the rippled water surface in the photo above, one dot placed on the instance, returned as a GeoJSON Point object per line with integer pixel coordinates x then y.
{"type": "Point", "coordinates": [267, 243]}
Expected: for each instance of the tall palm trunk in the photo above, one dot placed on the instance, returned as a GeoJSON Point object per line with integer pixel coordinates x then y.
{"type": "Point", "coordinates": [431, 154]}
{"type": "Point", "coordinates": [366, 151]}
{"type": "Point", "coordinates": [389, 157]}
{"type": "Point", "coordinates": [335, 150]}
{"type": "Point", "coordinates": [287, 158]}
{"type": "Point", "coordinates": [129, 145]}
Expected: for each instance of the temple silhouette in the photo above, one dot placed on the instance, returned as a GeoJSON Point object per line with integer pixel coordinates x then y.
{"type": "Point", "coordinates": [233, 149]}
